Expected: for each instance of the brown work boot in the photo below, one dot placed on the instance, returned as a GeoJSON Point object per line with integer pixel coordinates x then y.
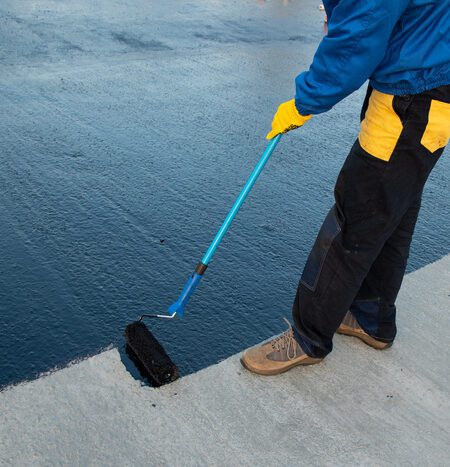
{"type": "Point", "coordinates": [277, 356]}
{"type": "Point", "coordinates": [350, 327]}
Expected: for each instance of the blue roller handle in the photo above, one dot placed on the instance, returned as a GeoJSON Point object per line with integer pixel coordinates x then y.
{"type": "Point", "coordinates": [179, 306]}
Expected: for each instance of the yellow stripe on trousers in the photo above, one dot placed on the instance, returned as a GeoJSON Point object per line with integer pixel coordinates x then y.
{"type": "Point", "coordinates": [381, 127]}
{"type": "Point", "coordinates": [437, 132]}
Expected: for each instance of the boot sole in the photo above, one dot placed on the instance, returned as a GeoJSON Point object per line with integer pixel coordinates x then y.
{"type": "Point", "coordinates": [368, 340]}
{"type": "Point", "coordinates": [258, 371]}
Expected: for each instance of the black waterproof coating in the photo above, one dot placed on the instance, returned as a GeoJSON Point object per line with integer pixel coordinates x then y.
{"type": "Point", "coordinates": [149, 354]}
{"type": "Point", "coordinates": [359, 258]}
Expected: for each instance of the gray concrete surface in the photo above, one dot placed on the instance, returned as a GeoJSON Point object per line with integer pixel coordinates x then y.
{"type": "Point", "coordinates": [359, 407]}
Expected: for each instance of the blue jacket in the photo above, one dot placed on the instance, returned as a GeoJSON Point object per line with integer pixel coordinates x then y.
{"type": "Point", "coordinates": [402, 46]}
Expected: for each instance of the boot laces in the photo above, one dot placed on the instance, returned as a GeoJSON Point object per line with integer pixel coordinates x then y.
{"type": "Point", "coordinates": [286, 341]}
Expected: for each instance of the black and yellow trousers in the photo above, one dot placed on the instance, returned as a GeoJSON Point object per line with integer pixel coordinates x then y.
{"type": "Point", "coordinates": [359, 257]}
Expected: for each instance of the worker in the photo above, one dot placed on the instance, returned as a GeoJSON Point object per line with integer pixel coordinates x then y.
{"type": "Point", "coordinates": [355, 269]}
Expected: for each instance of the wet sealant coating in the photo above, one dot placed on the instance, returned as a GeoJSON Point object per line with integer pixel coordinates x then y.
{"type": "Point", "coordinates": [126, 131]}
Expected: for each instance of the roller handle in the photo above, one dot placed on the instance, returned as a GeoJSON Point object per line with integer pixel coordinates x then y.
{"type": "Point", "coordinates": [179, 306]}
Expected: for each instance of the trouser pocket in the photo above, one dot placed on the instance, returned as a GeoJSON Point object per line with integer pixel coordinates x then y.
{"type": "Point", "coordinates": [437, 131]}
{"type": "Point", "coordinates": [381, 126]}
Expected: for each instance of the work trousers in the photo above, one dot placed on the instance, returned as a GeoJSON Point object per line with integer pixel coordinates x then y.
{"type": "Point", "coordinates": [359, 257]}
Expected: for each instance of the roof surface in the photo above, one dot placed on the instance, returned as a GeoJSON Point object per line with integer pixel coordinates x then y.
{"type": "Point", "coordinates": [359, 406]}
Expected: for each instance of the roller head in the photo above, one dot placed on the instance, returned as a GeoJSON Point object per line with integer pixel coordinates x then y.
{"type": "Point", "coordinates": [150, 354]}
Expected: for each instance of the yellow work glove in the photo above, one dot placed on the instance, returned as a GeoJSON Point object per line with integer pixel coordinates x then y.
{"type": "Point", "coordinates": [286, 119]}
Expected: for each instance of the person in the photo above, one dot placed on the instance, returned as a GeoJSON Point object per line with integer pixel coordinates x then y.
{"type": "Point", "coordinates": [355, 269]}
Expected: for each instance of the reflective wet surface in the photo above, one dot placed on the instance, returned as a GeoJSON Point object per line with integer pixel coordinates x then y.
{"type": "Point", "coordinates": [126, 131]}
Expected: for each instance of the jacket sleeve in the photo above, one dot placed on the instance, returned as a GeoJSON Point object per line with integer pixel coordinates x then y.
{"type": "Point", "coordinates": [358, 34]}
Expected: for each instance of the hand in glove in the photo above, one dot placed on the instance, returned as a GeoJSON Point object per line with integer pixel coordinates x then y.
{"type": "Point", "coordinates": [286, 119]}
